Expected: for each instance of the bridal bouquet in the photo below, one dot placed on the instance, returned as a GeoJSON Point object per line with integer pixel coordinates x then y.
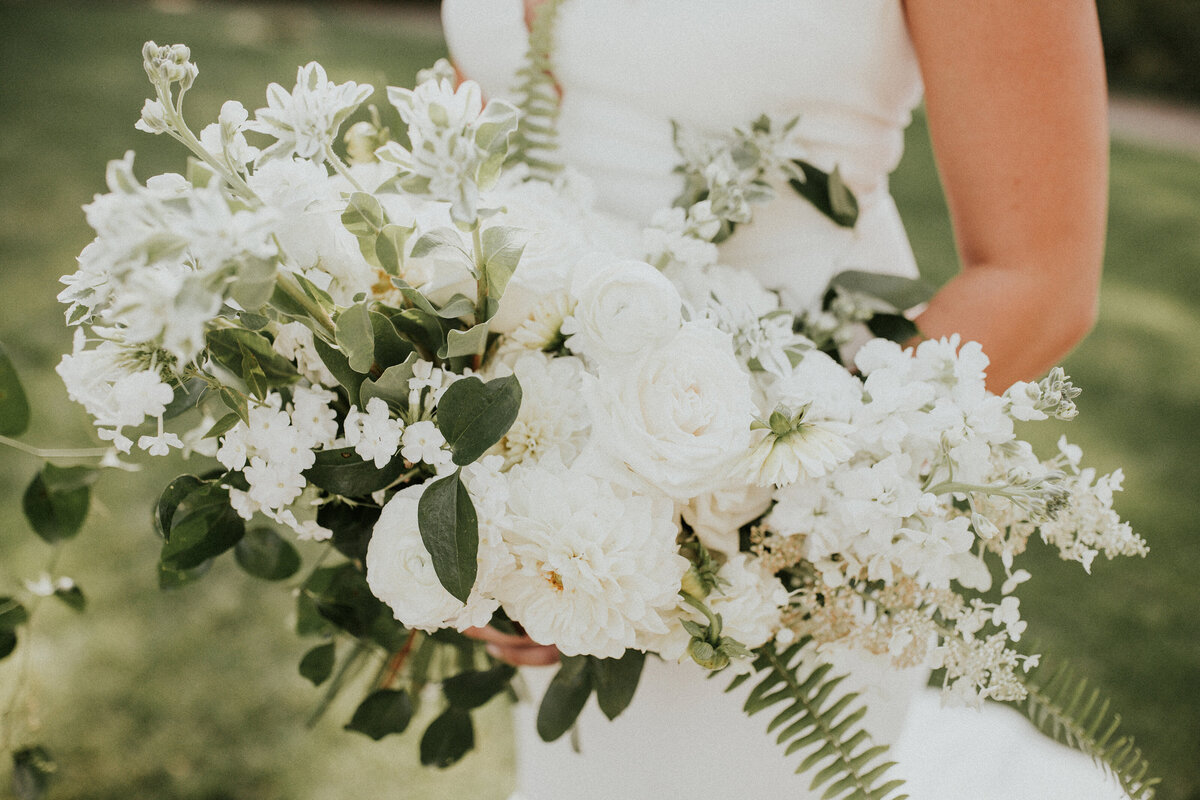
{"type": "Point", "coordinates": [495, 405]}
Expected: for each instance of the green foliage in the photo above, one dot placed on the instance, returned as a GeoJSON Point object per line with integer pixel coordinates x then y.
{"type": "Point", "coordinates": [474, 415]}
{"type": "Point", "coordinates": [471, 689]}
{"type": "Point", "coordinates": [616, 680]}
{"type": "Point", "coordinates": [249, 356]}
{"type": "Point", "coordinates": [821, 723]}
{"type": "Point", "coordinates": [12, 614]}
{"type": "Point", "coordinates": [827, 192]}
{"type": "Point", "coordinates": [1151, 46]}
{"type": "Point", "coordinates": [197, 522]}
{"type": "Point", "coordinates": [71, 596]}
{"type": "Point", "coordinates": [450, 532]}
{"type": "Point", "coordinates": [356, 337]}
{"type": "Point", "coordinates": [14, 406]}
{"type": "Point", "coordinates": [535, 139]}
{"type": "Point", "coordinates": [342, 471]}
{"type": "Point", "coordinates": [265, 554]}
{"type": "Point", "coordinates": [317, 663]}
{"type": "Point", "coordinates": [1063, 707]}
{"type": "Point", "coordinates": [448, 738]}
{"type": "Point", "coordinates": [382, 712]}
{"type": "Point", "coordinates": [33, 768]}
{"type": "Point", "coordinates": [351, 526]}
{"type": "Point", "coordinates": [897, 292]}
{"type": "Point", "coordinates": [56, 501]}
{"type": "Point", "coordinates": [338, 598]}
{"type": "Point", "coordinates": [613, 679]}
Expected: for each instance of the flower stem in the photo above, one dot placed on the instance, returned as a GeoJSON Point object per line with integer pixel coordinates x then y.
{"type": "Point", "coordinates": [307, 303]}
{"type": "Point", "coordinates": [340, 168]}
{"type": "Point", "coordinates": [39, 452]}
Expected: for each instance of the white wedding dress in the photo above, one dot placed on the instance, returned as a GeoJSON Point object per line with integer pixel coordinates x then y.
{"type": "Point", "coordinates": [846, 68]}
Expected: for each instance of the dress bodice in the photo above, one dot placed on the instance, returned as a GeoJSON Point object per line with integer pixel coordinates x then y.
{"type": "Point", "coordinates": [628, 68]}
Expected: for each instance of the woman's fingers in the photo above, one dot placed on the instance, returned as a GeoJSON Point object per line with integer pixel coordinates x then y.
{"type": "Point", "coordinates": [515, 649]}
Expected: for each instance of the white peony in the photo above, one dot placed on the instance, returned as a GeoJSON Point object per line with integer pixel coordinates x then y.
{"type": "Point", "coordinates": [678, 415]}
{"type": "Point", "coordinates": [596, 566]}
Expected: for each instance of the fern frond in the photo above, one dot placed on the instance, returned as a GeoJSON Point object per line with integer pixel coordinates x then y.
{"type": "Point", "coordinates": [536, 137]}
{"type": "Point", "coordinates": [821, 722]}
{"type": "Point", "coordinates": [1061, 705]}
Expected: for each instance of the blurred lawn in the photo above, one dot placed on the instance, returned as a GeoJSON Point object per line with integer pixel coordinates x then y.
{"type": "Point", "coordinates": [193, 695]}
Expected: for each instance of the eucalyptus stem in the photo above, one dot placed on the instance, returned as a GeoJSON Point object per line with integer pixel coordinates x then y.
{"type": "Point", "coordinates": [481, 284]}
{"type": "Point", "coordinates": [44, 453]}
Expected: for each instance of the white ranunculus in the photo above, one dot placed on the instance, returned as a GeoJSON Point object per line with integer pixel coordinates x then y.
{"type": "Point", "coordinates": [677, 415]}
{"type": "Point", "coordinates": [622, 307]}
{"type": "Point", "coordinates": [716, 516]}
{"type": "Point", "coordinates": [400, 570]}
{"type": "Point", "coordinates": [597, 566]}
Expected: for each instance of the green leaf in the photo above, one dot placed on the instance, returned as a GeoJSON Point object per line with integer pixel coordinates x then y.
{"type": "Point", "coordinates": [565, 697]}
{"type": "Point", "coordinates": [448, 738]}
{"type": "Point", "coordinates": [899, 292]}
{"type": "Point", "coordinates": [341, 471]}
{"type": "Point", "coordinates": [474, 415]}
{"type": "Point", "coordinates": [894, 327]}
{"type": "Point", "coordinates": [351, 526]}
{"type": "Point", "coordinates": [339, 366]}
{"type": "Point", "coordinates": [466, 343]}
{"type": "Point", "coordinates": [33, 768]}
{"type": "Point", "coordinates": [383, 711]}
{"type": "Point", "coordinates": [265, 554]}
{"type": "Point", "coordinates": [56, 501]}
{"type": "Point", "coordinates": [341, 596]}
{"type": "Point", "coordinates": [249, 356]}
{"type": "Point", "coordinates": [364, 215]}
{"type": "Point", "coordinates": [421, 328]}
{"type": "Point", "coordinates": [502, 249]}
{"type": "Point", "coordinates": [222, 426]}
{"type": "Point", "coordinates": [616, 680]}
{"type": "Point", "coordinates": [439, 239]}
{"type": "Point", "coordinates": [169, 500]}
{"type": "Point", "coordinates": [828, 193]}
{"type": "Point", "coordinates": [317, 664]}
{"type": "Point", "coordinates": [203, 526]}
{"type": "Point", "coordinates": [72, 597]}
{"type": "Point", "coordinates": [235, 402]}
{"type": "Point", "coordinates": [389, 247]}
{"type": "Point", "coordinates": [390, 348]}
{"type": "Point", "coordinates": [186, 397]}
{"type": "Point", "coordinates": [391, 386]}
{"type": "Point", "coordinates": [356, 337]}
{"type": "Point", "coordinates": [472, 689]}
{"type": "Point", "coordinates": [8, 643]}
{"type": "Point", "coordinates": [12, 614]}
{"type": "Point", "coordinates": [172, 578]}
{"type": "Point", "coordinates": [450, 532]}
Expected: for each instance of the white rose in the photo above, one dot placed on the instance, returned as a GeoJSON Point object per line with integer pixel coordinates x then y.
{"type": "Point", "coordinates": [622, 307]}
{"type": "Point", "coordinates": [677, 415]}
{"type": "Point", "coordinates": [717, 516]}
{"type": "Point", "coordinates": [400, 571]}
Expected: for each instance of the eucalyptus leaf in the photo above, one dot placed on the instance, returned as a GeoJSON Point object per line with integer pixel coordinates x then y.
{"type": "Point", "coordinates": [457, 306]}
{"type": "Point", "coordinates": [897, 291]}
{"type": "Point", "coordinates": [382, 712]}
{"type": "Point", "coordinates": [56, 501]}
{"type": "Point", "coordinates": [342, 597]}
{"type": "Point", "coordinates": [472, 689]}
{"type": "Point", "coordinates": [351, 525]}
{"type": "Point", "coordinates": [389, 247]}
{"type": "Point", "coordinates": [356, 337]}
{"type": "Point", "coordinates": [203, 526]}
{"type": "Point", "coordinates": [72, 597]}
{"type": "Point", "coordinates": [339, 366]}
{"type": "Point", "coordinates": [12, 613]}
{"type": "Point", "coordinates": [466, 343]}
{"type": "Point", "coordinates": [390, 348]}
{"type": "Point", "coordinates": [265, 554]}
{"type": "Point", "coordinates": [450, 531]}
{"type": "Point", "coordinates": [895, 327]}
{"type": "Point", "coordinates": [169, 500]}
{"type": "Point", "coordinates": [423, 329]}
{"type": "Point", "coordinates": [8, 643]}
{"type": "Point", "coordinates": [364, 215]}
{"type": "Point", "coordinates": [565, 698]}
{"type": "Point", "coordinates": [448, 738]}
{"type": "Point", "coordinates": [317, 663]}
{"type": "Point", "coordinates": [827, 192]}
{"type": "Point", "coordinates": [502, 249]}
{"type": "Point", "coordinates": [391, 386]}
{"type": "Point", "coordinates": [440, 239]}
{"type": "Point", "coordinates": [474, 415]}
{"type": "Point", "coordinates": [342, 471]}
{"type": "Point", "coordinates": [616, 680]}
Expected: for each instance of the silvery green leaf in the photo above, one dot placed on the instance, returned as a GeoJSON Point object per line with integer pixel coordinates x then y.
{"type": "Point", "coordinates": [466, 343]}
{"type": "Point", "coordinates": [495, 123]}
{"type": "Point", "coordinates": [502, 249]}
{"type": "Point", "coordinates": [457, 306]}
{"type": "Point", "coordinates": [199, 174]}
{"type": "Point", "coordinates": [364, 216]}
{"type": "Point", "coordinates": [899, 292]}
{"type": "Point", "coordinates": [390, 347]}
{"type": "Point", "coordinates": [439, 238]}
{"type": "Point", "coordinates": [356, 337]}
{"type": "Point", "coordinates": [391, 386]}
{"type": "Point", "coordinates": [389, 246]}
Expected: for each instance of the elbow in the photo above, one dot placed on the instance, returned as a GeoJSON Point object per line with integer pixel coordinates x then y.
{"type": "Point", "coordinates": [1077, 321]}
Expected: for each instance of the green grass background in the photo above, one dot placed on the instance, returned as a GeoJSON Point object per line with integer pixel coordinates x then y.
{"type": "Point", "coordinates": [193, 694]}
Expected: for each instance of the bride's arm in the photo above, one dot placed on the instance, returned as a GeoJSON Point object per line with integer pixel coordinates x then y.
{"type": "Point", "coordinates": [1015, 97]}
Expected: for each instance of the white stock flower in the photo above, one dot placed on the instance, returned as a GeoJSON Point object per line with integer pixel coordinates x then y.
{"type": "Point", "coordinates": [677, 415]}
{"type": "Point", "coordinates": [621, 308]}
{"type": "Point", "coordinates": [305, 121]}
{"type": "Point", "coordinates": [595, 565]}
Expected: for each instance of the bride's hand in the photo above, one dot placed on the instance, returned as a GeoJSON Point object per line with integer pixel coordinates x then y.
{"type": "Point", "coordinates": [518, 650]}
